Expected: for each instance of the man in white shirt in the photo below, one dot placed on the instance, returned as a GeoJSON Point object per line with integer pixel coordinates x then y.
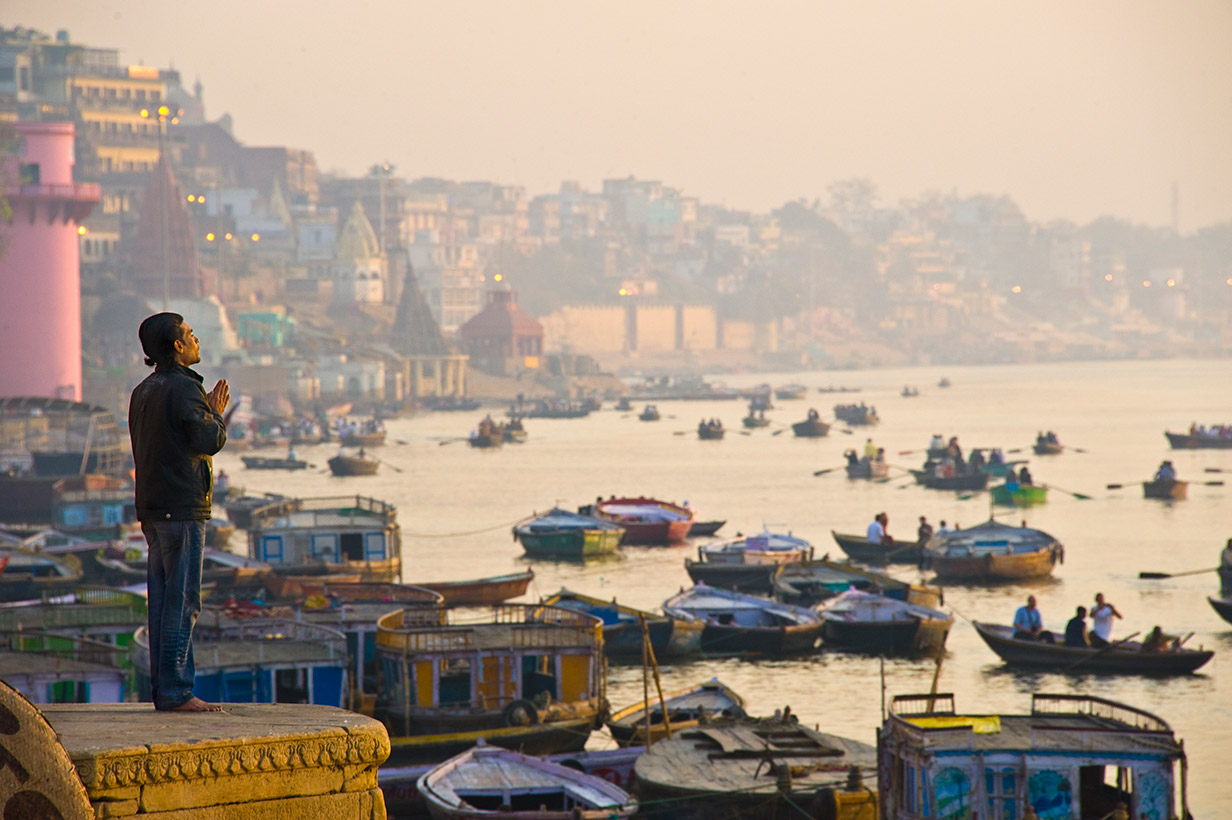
{"type": "Point", "coordinates": [877, 530]}
{"type": "Point", "coordinates": [1101, 621]}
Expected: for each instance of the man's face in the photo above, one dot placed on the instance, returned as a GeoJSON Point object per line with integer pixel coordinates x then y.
{"type": "Point", "coordinates": [187, 347]}
{"type": "Point", "coordinates": [1031, 602]}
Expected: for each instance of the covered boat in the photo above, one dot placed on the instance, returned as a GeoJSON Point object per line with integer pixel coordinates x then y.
{"type": "Point", "coordinates": [562, 534]}
{"type": "Point", "coordinates": [686, 708]}
{"type": "Point", "coordinates": [647, 520]}
{"type": "Point", "coordinates": [262, 463]}
{"type": "Point", "coordinates": [362, 438]}
{"type": "Point", "coordinates": [811, 427]}
{"type": "Point", "coordinates": [1072, 756]}
{"type": "Point", "coordinates": [1014, 494]}
{"type": "Point", "coordinates": [746, 563]}
{"type": "Point", "coordinates": [520, 676]}
{"type": "Point", "coordinates": [1122, 657]}
{"type": "Point", "coordinates": [240, 508]}
{"type": "Point", "coordinates": [757, 769]}
{"type": "Point", "coordinates": [344, 465]}
{"type": "Point", "coordinates": [1166, 488]}
{"type": "Point", "coordinates": [670, 638]}
{"type": "Point", "coordinates": [333, 534]}
{"type": "Point", "coordinates": [482, 591]}
{"type": "Point", "coordinates": [811, 582]}
{"type": "Point", "coordinates": [992, 552]}
{"type": "Point", "coordinates": [868, 622]}
{"type": "Point", "coordinates": [487, 434]}
{"type": "Point", "coordinates": [26, 573]}
{"type": "Point", "coordinates": [1187, 441]}
{"type": "Point", "coordinates": [737, 623]}
{"type": "Point", "coordinates": [859, 548]}
{"type": "Point", "coordinates": [498, 784]}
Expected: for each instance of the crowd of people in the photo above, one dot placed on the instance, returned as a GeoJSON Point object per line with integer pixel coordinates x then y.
{"type": "Point", "coordinates": [1214, 431]}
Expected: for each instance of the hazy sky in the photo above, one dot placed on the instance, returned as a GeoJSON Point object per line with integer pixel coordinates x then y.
{"type": "Point", "coordinates": [1073, 108]}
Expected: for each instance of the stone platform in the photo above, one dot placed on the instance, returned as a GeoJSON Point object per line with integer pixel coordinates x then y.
{"type": "Point", "coordinates": [250, 762]}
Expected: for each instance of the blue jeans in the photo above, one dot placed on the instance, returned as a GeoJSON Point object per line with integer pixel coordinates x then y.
{"type": "Point", "coordinates": [173, 576]}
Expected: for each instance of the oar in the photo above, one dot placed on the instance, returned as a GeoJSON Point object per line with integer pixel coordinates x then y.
{"type": "Point", "coordinates": [1211, 483]}
{"type": "Point", "coordinates": [910, 452]}
{"type": "Point", "coordinates": [1079, 496]}
{"type": "Point", "coordinates": [827, 470]}
{"type": "Point", "coordinates": [1078, 449]}
{"type": "Point", "coordinates": [1119, 486]}
{"type": "Point", "coordinates": [387, 464]}
{"type": "Point", "coordinates": [779, 431]}
{"type": "Point", "coordinates": [1176, 574]}
{"type": "Point", "coordinates": [1215, 470]}
{"type": "Point", "coordinates": [1086, 658]}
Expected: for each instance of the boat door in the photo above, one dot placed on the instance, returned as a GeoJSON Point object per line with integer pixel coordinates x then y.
{"type": "Point", "coordinates": [497, 684]}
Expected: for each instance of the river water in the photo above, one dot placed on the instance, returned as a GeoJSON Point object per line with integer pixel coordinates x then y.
{"type": "Point", "coordinates": [457, 504]}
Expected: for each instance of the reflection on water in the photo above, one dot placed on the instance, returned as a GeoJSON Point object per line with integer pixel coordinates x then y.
{"type": "Point", "coordinates": [1116, 412]}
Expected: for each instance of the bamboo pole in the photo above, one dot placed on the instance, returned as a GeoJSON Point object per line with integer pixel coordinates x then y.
{"type": "Point", "coordinates": [654, 665]}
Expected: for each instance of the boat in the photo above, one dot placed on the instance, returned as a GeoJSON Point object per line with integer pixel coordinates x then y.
{"type": "Point", "coordinates": [1013, 494]}
{"type": "Point", "coordinates": [1222, 605]}
{"type": "Point", "coordinates": [362, 438]}
{"type": "Point", "coordinates": [757, 769]}
{"type": "Point", "coordinates": [331, 534]}
{"type": "Point", "coordinates": [94, 507]}
{"type": "Point", "coordinates": [737, 623]}
{"type": "Point", "coordinates": [515, 432]}
{"type": "Point", "coordinates": [60, 669]}
{"type": "Point", "coordinates": [811, 427]}
{"type": "Point", "coordinates": [746, 563]}
{"type": "Point", "coordinates": [343, 465]}
{"type": "Point", "coordinates": [1046, 447]}
{"type": "Point", "coordinates": [1001, 469]}
{"type": "Point", "coordinates": [753, 421]}
{"type": "Point", "coordinates": [963, 482]}
{"type": "Point", "coordinates": [937, 762]}
{"type": "Point", "coordinates": [28, 573]}
{"type": "Point", "coordinates": [520, 676]}
{"type": "Point", "coordinates": [623, 405]}
{"type": "Point", "coordinates": [487, 434]}
{"type": "Point", "coordinates": [810, 582]}
{"type": "Point", "coordinates": [650, 413]}
{"type": "Point", "coordinates": [1170, 489]}
{"type": "Point", "coordinates": [701, 528]}
{"type": "Point", "coordinates": [710, 431]}
{"type": "Point", "coordinates": [686, 709]}
{"type": "Point", "coordinates": [790, 392]}
{"type": "Point", "coordinates": [258, 660]}
{"type": "Point", "coordinates": [124, 560]}
{"type": "Point", "coordinates": [562, 534]}
{"type": "Point", "coordinates": [481, 591]}
{"type": "Point", "coordinates": [992, 551]}
{"type": "Point", "coordinates": [647, 520]}
{"type": "Point", "coordinates": [1188, 441]}
{"type": "Point", "coordinates": [218, 532]}
{"type": "Point", "coordinates": [945, 382]}
{"type": "Point", "coordinates": [262, 463]}
{"type": "Point", "coordinates": [910, 392]}
{"type": "Point", "coordinates": [869, 622]}
{"type": "Point", "coordinates": [1122, 657]}
{"type": "Point", "coordinates": [499, 784]}
{"type": "Point", "coordinates": [240, 508]}
{"type": "Point", "coordinates": [859, 548]}
{"type": "Point", "coordinates": [556, 409]}
{"type": "Point", "coordinates": [856, 415]}
{"type": "Point", "coordinates": [867, 468]}
{"type": "Point", "coordinates": [670, 638]}
{"type": "Point", "coordinates": [449, 404]}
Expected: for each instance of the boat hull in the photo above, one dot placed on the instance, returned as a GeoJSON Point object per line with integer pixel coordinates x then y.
{"type": "Point", "coordinates": [259, 463]}
{"type": "Point", "coordinates": [1223, 606]}
{"type": "Point", "coordinates": [719, 639]}
{"type": "Point", "coordinates": [362, 439]}
{"type": "Point", "coordinates": [710, 433]}
{"type": "Point", "coordinates": [537, 739]}
{"type": "Point", "coordinates": [858, 548]}
{"type": "Point", "coordinates": [571, 543]}
{"type": "Point", "coordinates": [1183, 441]}
{"type": "Point", "coordinates": [1025, 495]}
{"type": "Point", "coordinates": [966, 482]}
{"type": "Point", "coordinates": [739, 577]}
{"type": "Point", "coordinates": [705, 527]}
{"type": "Point", "coordinates": [1046, 448]}
{"type": "Point", "coordinates": [482, 591]}
{"type": "Point", "coordinates": [1167, 489]}
{"type": "Point", "coordinates": [351, 466]}
{"type": "Point", "coordinates": [868, 469]}
{"type": "Point", "coordinates": [1121, 659]}
{"type": "Point", "coordinates": [915, 637]}
{"type": "Point", "coordinates": [810, 428]}
{"type": "Point", "coordinates": [993, 567]}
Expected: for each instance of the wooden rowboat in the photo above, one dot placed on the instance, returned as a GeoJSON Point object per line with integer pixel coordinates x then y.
{"type": "Point", "coordinates": [858, 548]}
{"type": "Point", "coordinates": [1125, 657]}
{"type": "Point", "coordinates": [353, 465]}
{"type": "Point", "coordinates": [993, 552]}
{"type": "Point", "coordinates": [810, 428]}
{"type": "Point", "coordinates": [357, 439]}
{"type": "Point", "coordinates": [1022, 495]}
{"type": "Point", "coordinates": [705, 527]}
{"type": "Point", "coordinates": [737, 623]}
{"type": "Point", "coordinates": [482, 591]}
{"type": "Point", "coordinates": [1184, 441]}
{"type": "Point", "coordinates": [962, 483]}
{"type": "Point", "coordinates": [685, 709]}
{"type": "Point", "coordinates": [1223, 606]}
{"type": "Point", "coordinates": [868, 622]}
{"type": "Point", "coordinates": [670, 638]}
{"type": "Point", "coordinates": [1166, 488]}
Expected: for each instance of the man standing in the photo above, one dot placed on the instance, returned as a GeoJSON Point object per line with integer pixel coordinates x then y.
{"type": "Point", "coordinates": [175, 428]}
{"type": "Point", "coordinates": [924, 532]}
{"type": "Point", "coordinates": [1101, 621]}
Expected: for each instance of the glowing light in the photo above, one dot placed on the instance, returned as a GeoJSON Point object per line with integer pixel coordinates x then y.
{"type": "Point", "coordinates": [209, 237]}
{"type": "Point", "coordinates": [145, 112]}
{"type": "Point", "coordinates": [1016, 289]}
{"type": "Point", "coordinates": [163, 111]}
{"type": "Point", "coordinates": [227, 235]}
{"type": "Point", "coordinates": [1146, 284]}
{"type": "Point", "coordinates": [1171, 283]}
{"type": "Point", "coordinates": [624, 292]}
{"type": "Point", "coordinates": [82, 230]}
{"type": "Point", "coordinates": [201, 197]}
{"type": "Point", "coordinates": [175, 120]}
{"type": "Point", "coordinates": [192, 198]}
{"type": "Point", "coordinates": [483, 278]}
{"type": "Point", "coordinates": [256, 237]}
{"type": "Point", "coordinates": [498, 277]}
{"type": "Point", "coordinates": [1107, 277]}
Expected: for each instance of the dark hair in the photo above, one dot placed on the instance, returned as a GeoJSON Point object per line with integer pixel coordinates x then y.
{"type": "Point", "coordinates": [158, 334]}
{"type": "Point", "coordinates": [1081, 611]}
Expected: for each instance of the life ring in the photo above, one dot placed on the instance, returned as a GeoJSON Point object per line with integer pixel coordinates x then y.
{"type": "Point", "coordinates": [520, 713]}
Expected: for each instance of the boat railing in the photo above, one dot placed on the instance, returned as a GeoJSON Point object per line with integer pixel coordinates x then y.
{"type": "Point", "coordinates": [59, 616]}
{"type": "Point", "coordinates": [71, 647]}
{"type": "Point", "coordinates": [345, 506]}
{"type": "Point", "coordinates": [1044, 704]}
{"type": "Point", "coordinates": [425, 629]}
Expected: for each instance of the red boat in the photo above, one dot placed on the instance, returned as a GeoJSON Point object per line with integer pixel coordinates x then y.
{"type": "Point", "coordinates": [647, 520]}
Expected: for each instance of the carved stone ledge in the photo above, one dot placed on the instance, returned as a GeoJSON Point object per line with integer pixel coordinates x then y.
{"type": "Point", "coordinates": [250, 754]}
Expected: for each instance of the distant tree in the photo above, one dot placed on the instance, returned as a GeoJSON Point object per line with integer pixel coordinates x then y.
{"type": "Point", "coordinates": [853, 199]}
{"type": "Point", "coordinates": [10, 144]}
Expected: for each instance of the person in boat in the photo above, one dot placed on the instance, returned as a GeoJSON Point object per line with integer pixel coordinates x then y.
{"type": "Point", "coordinates": [976, 461]}
{"type": "Point", "coordinates": [1076, 629]}
{"type": "Point", "coordinates": [813, 415]}
{"type": "Point", "coordinates": [1157, 641]}
{"type": "Point", "coordinates": [222, 486]}
{"type": "Point", "coordinates": [852, 458]}
{"type": "Point", "coordinates": [996, 457]}
{"type": "Point", "coordinates": [924, 532]}
{"type": "Point", "coordinates": [1166, 472]}
{"type": "Point", "coordinates": [1029, 624]}
{"type": "Point", "coordinates": [877, 530]}
{"type": "Point", "coordinates": [1024, 475]}
{"type": "Point", "coordinates": [361, 452]}
{"type": "Point", "coordinates": [176, 429]}
{"type": "Point", "coordinates": [291, 453]}
{"type": "Point", "coordinates": [870, 449]}
{"type": "Point", "coordinates": [936, 442]}
{"type": "Point", "coordinates": [1011, 476]}
{"type": "Point", "coordinates": [1101, 621]}
{"type": "Point", "coordinates": [1225, 570]}
{"type": "Point", "coordinates": [1051, 437]}
{"type": "Point", "coordinates": [955, 449]}
{"type": "Point", "coordinates": [943, 528]}
{"type": "Point", "coordinates": [880, 454]}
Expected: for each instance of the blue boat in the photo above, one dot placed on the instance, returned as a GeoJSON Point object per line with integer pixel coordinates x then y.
{"type": "Point", "coordinates": [670, 638]}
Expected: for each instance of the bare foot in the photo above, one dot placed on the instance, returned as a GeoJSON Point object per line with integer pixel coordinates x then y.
{"type": "Point", "coordinates": [195, 704]}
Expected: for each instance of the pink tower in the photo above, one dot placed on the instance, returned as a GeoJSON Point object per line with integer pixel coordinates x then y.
{"type": "Point", "coordinates": [40, 275]}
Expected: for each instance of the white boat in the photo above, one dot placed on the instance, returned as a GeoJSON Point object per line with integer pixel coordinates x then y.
{"type": "Point", "coordinates": [340, 534]}
{"type": "Point", "coordinates": [497, 784]}
{"type": "Point", "coordinates": [744, 623]}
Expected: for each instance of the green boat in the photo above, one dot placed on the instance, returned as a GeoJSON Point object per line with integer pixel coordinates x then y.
{"type": "Point", "coordinates": [562, 534]}
{"type": "Point", "coordinates": [1023, 495]}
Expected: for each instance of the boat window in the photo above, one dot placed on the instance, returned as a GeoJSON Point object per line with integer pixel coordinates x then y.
{"type": "Point", "coordinates": [538, 675]}
{"type": "Point", "coordinates": [271, 548]}
{"type": "Point", "coordinates": [952, 792]}
{"type": "Point", "coordinates": [455, 686]}
{"type": "Point", "coordinates": [374, 546]}
{"type": "Point", "coordinates": [290, 687]}
{"type": "Point", "coordinates": [352, 545]}
{"type": "Point", "coordinates": [325, 546]}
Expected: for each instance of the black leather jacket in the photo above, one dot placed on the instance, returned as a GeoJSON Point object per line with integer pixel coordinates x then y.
{"type": "Point", "coordinates": [174, 434]}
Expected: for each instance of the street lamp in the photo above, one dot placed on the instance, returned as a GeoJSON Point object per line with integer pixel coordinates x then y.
{"type": "Point", "coordinates": [163, 113]}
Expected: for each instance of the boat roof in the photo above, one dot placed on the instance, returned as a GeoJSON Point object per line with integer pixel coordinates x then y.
{"type": "Point", "coordinates": [220, 641]}
{"type": "Point", "coordinates": [991, 535]}
{"type": "Point", "coordinates": [502, 627]}
{"type": "Point", "coordinates": [868, 604]}
{"type": "Point", "coordinates": [764, 541]}
{"type": "Point", "coordinates": [558, 519]}
{"type": "Point", "coordinates": [703, 597]}
{"type": "Point", "coordinates": [644, 508]}
{"type": "Point", "coordinates": [1059, 723]}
